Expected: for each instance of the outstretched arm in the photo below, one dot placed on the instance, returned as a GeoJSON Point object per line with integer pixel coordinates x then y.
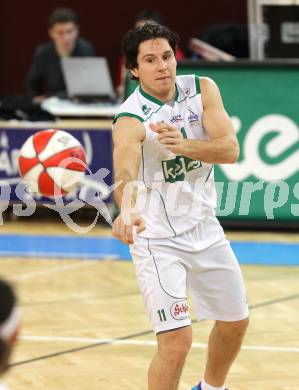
{"type": "Point", "coordinates": [128, 134]}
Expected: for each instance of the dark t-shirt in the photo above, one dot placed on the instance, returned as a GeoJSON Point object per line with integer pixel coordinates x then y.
{"type": "Point", "coordinates": [45, 75]}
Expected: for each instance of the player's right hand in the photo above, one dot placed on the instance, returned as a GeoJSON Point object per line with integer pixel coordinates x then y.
{"type": "Point", "coordinates": [123, 227]}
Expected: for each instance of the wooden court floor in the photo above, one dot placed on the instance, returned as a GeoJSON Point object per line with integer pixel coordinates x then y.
{"type": "Point", "coordinates": [84, 327]}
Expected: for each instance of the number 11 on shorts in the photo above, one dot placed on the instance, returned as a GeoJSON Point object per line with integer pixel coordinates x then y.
{"type": "Point", "coordinates": [162, 315]}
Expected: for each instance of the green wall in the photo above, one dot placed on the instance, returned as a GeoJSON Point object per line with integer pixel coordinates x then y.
{"type": "Point", "coordinates": [263, 102]}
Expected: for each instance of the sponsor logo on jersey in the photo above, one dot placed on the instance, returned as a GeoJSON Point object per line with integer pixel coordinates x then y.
{"type": "Point", "coordinates": [176, 118]}
{"type": "Point", "coordinates": [187, 91]}
{"type": "Point", "coordinates": [193, 117]}
{"type": "Point", "coordinates": [177, 168]}
{"type": "Point", "coordinates": [179, 310]}
{"type": "Point", "coordinates": [146, 109]}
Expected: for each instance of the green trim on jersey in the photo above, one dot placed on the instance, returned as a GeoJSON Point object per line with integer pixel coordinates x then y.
{"type": "Point", "coordinates": [154, 112]}
{"type": "Point", "coordinates": [151, 98]}
{"type": "Point", "coordinates": [121, 114]}
{"type": "Point", "coordinates": [197, 90]}
{"type": "Point", "coordinates": [176, 93]}
{"type": "Point", "coordinates": [166, 214]}
{"type": "Point", "coordinates": [185, 98]}
{"type": "Point", "coordinates": [150, 189]}
{"type": "Point", "coordinates": [183, 131]}
{"type": "Point", "coordinates": [142, 156]}
{"type": "Point", "coordinates": [176, 99]}
{"type": "Point", "coordinates": [197, 84]}
{"type": "Point", "coordinates": [155, 100]}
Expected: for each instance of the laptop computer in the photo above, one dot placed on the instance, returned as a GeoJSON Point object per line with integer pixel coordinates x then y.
{"type": "Point", "coordinates": [88, 79]}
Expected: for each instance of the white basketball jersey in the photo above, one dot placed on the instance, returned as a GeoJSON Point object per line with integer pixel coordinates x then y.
{"type": "Point", "coordinates": [178, 192]}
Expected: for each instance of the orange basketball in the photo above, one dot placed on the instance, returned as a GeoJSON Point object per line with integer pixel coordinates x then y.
{"type": "Point", "coordinates": [52, 162]}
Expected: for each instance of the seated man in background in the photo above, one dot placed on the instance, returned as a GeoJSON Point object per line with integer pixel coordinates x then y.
{"type": "Point", "coordinates": [45, 77]}
{"type": "Point", "coordinates": [9, 325]}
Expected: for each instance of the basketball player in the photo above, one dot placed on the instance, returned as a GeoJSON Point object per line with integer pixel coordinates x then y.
{"type": "Point", "coordinates": [9, 325]}
{"type": "Point", "coordinates": [168, 135]}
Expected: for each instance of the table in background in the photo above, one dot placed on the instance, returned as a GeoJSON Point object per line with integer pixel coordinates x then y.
{"type": "Point", "coordinates": [67, 108]}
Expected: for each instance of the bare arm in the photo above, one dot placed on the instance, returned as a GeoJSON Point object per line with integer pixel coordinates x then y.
{"type": "Point", "coordinates": [128, 134]}
{"type": "Point", "coordinates": [221, 147]}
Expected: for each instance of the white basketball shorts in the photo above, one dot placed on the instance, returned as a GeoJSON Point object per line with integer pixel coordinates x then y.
{"type": "Point", "coordinates": [205, 269]}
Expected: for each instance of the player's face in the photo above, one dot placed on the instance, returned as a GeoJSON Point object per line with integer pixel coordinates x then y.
{"type": "Point", "coordinates": [64, 35]}
{"type": "Point", "coordinates": [156, 67]}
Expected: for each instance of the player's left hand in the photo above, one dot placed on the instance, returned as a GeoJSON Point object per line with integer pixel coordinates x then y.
{"type": "Point", "coordinates": [169, 136]}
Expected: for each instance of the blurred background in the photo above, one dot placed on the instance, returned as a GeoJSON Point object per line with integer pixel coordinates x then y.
{"type": "Point", "coordinates": [25, 26]}
{"type": "Point", "coordinates": [250, 48]}
{"type": "Point", "coordinates": [61, 66]}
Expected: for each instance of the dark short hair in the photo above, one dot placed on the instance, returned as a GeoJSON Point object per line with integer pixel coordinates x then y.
{"type": "Point", "coordinates": [137, 35]}
{"type": "Point", "coordinates": [62, 15]}
{"type": "Point", "coordinates": [149, 15]}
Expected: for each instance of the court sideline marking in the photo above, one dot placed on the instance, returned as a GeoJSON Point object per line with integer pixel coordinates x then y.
{"type": "Point", "coordinates": [136, 292]}
{"type": "Point", "coordinates": [134, 335]}
{"type": "Point", "coordinates": [150, 343]}
{"type": "Point", "coordinates": [76, 299]}
{"type": "Point", "coordinates": [51, 270]}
